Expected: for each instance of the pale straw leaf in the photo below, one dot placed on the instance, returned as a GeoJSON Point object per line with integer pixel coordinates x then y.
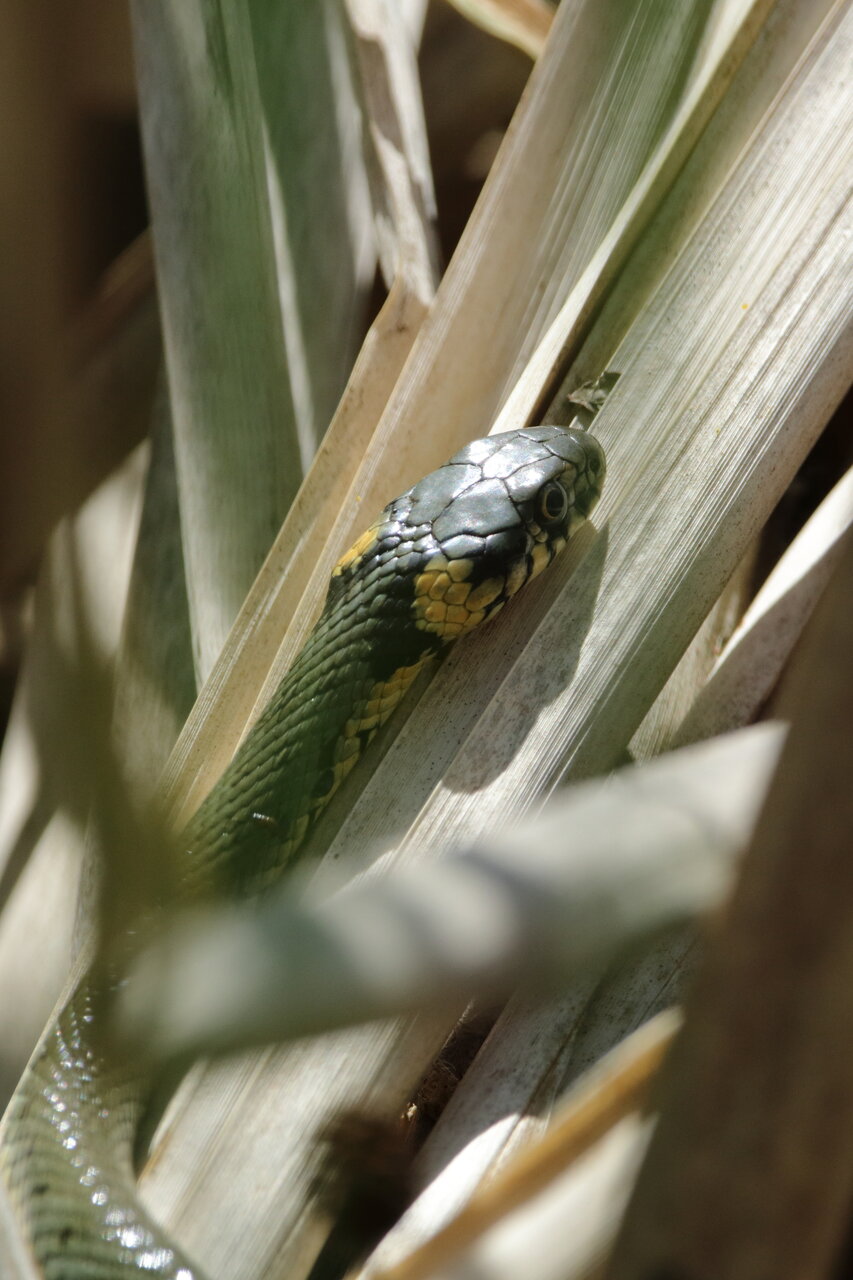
{"type": "Point", "coordinates": [748, 668]}
{"type": "Point", "coordinates": [602, 868]}
{"type": "Point", "coordinates": [401, 186]}
{"type": "Point", "coordinates": [524, 23]}
{"type": "Point", "coordinates": [86, 570]}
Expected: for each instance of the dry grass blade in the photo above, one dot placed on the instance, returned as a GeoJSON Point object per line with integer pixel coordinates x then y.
{"type": "Point", "coordinates": [606, 866]}
{"type": "Point", "coordinates": [679, 693]}
{"type": "Point", "coordinates": [723, 380]}
{"type": "Point", "coordinates": [461, 367]}
{"type": "Point", "coordinates": [748, 668]}
{"type": "Point", "coordinates": [588, 1019]}
{"type": "Point", "coordinates": [525, 23]}
{"type": "Point", "coordinates": [402, 187]}
{"type": "Point", "coordinates": [155, 678]}
{"type": "Point", "coordinates": [694, 235]}
{"type": "Point", "coordinates": [398, 166]}
{"type": "Point", "coordinates": [722, 36]}
{"type": "Point", "coordinates": [751, 1169]}
{"type": "Point", "coordinates": [564, 1232]}
{"type": "Point", "coordinates": [616, 1087]}
{"type": "Point", "coordinates": [42, 848]}
{"type": "Point", "coordinates": [230, 390]}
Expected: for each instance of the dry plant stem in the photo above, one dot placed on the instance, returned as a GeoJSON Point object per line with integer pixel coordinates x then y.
{"type": "Point", "coordinates": [224, 710]}
{"type": "Point", "coordinates": [40, 845]}
{"type": "Point", "coordinates": [746, 199]}
{"type": "Point", "coordinates": [566, 1231]}
{"type": "Point", "coordinates": [524, 23]}
{"type": "Point", "coordinates": [656, 732]}
{"type": "Point", "coordinates": [462, 367]}
{"type": "Point", "coordinates": [398, 157]}
{"type": "Point", "coordinates": [228, 378]}
{"type": "Point", "coordinates": [618, 1086]}
{"type": "Point", "coordinates": [155, 678]}
{"type": "Point", "coordinates": [455, 379]}
{"type": "Point", "coordinates": [750, 1173]}
{"type": "Point", "coordinates": [709, 82]}
{"type": "Point", "coordinates": [749, 666]}
{"type": "Point", "coordinates": [604, 1174]}
{"type": "Point", "coordinates": [600, 870]}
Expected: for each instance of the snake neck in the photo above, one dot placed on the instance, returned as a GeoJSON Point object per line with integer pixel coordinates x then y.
{"type": "Point", "coordinates": [345, 683]}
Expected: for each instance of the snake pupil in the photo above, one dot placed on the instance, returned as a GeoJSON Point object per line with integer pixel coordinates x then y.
{"type": "Point", "coordinates": [553, 502]}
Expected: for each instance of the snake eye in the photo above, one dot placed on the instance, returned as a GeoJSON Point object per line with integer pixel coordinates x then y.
{"type": "Point", "coordinates": [553, 502]}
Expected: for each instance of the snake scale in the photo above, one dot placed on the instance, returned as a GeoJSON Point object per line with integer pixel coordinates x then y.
{"type": "Point", "coordinates": [439, 560]}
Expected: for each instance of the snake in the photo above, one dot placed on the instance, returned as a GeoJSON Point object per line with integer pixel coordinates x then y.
{"type": "Point", "coordinates": [440, 560]}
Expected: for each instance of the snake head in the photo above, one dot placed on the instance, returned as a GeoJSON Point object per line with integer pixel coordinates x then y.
{"type": "Point", "coordinates": [498, 513]}
{"type": "Point", "coordinates": [459, 544]}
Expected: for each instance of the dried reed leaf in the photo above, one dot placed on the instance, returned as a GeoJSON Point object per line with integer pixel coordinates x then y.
{"type": "Point", "coordinates": [750, 1171]}
{"type": "Point", "coordinates": [462, 367]}
{"type": "Point", "coordinates": [599, 1013]}
{"type": "Point", "coordinates": [524, 23]}
{"type": "Point", "coordinates": [612, 1090]}
{"type": "Point", "coordinates": [231, 388]}
{"type": "Point", "coordinates": [564, 1233]}
{"type": "Point", "coordinates": [402, 186]}
{"type": "Point", "coordinates": [42, 849]}
{"type": "Point", "coordinates": [656, 731]}
{"type": "Point", "coordinates": [155, 679]}
{"type": "Point", "coordinates": [749, 666]}
{"type": "Point", "coordinates": [715, 408]}
{"type": "Point", "coordinates": [602, 868]}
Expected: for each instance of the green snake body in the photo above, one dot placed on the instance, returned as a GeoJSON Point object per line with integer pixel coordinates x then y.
{"type": "Point", "coordinates": [438, 561]}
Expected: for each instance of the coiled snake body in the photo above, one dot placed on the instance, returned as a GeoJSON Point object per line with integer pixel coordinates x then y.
{"type": "Point", "coordinates": [438, 561]}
